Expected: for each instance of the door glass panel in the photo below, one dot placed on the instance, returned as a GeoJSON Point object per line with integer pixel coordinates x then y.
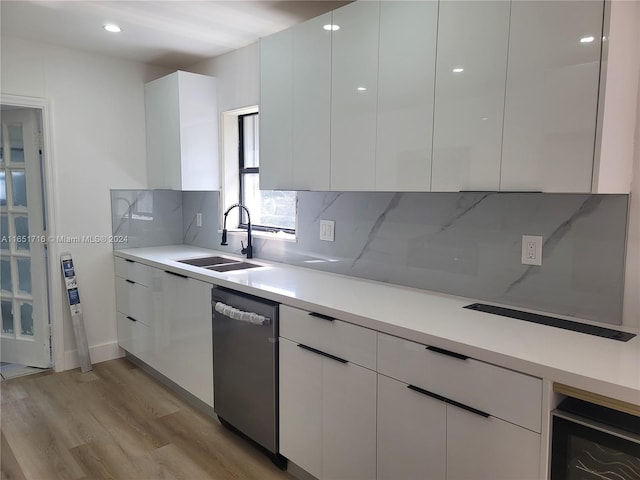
{"type": "Point", "coordinates": [4, 232]}
{"type": "Point", "coordinates": [3, 188]}
{"type": "Point", "coordinates": [22, 233]}
{"type": "Point", "coordinates": [7, 316]}
{"type": "Point", "coordinates": [15, 143]}
{"type": "Point", "coordinates": [19, 184]}
{"type": "Point", "coordinates": [24, 275]}
{"type": "Point", "coordinates": [26, 319]}
{"type": "Point", "coordinates": [5, 272]}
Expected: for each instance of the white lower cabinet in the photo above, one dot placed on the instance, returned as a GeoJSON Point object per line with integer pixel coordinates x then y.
{"type": "Point", "coordinates": [185, 337]}
{"type": "Point", "coordinates": [133, 336]}
{"type": "Point", "coordinates": [482, 448]}
{"type": "Point", "coordinates": [412, 432]}
{"type": "Point", "coordinates": [327, 403]}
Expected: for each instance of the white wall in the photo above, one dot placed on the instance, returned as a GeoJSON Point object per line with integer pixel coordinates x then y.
{"type": "Point", "coordinates": [238, 74]}
{"type": "Point", "coordinates": [98, 143]}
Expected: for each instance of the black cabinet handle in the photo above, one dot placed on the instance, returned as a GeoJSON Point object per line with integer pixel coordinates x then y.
{"type": "Point", "coordinates": [448, 400]}
{"type": "Point", "coordinates": [176, 274]}
{"type": "Point", "coordinates": [131, 318]}
{"type": "Point", "coordinates": [129, 281]}
{"type": "Point", "coordinates": [324, 354]}
{"type": "Point", "coordinates": [459, 356]}
{"type": "Point", "coordinates": [323, 317]}
{"type": "Point", "coordinates": [130, 261]}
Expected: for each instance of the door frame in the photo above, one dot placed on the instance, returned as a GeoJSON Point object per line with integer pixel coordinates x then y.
{"type": "Point", "coordinates": [54, 283]}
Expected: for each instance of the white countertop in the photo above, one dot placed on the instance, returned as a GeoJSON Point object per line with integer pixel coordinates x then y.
{"type": "Point", "coordinates": [604, 366]}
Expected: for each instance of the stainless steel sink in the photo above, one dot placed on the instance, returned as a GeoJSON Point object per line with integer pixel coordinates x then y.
{"type": "Point", "coordinates": [219, 264]}
{"type": "Point", "coordinates": [227, 267]}
{"type": "Point", "coordinates": [208, 261]}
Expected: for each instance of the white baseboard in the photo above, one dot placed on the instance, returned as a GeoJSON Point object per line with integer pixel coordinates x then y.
{"type": "Point", "coordinates": [98, 353]}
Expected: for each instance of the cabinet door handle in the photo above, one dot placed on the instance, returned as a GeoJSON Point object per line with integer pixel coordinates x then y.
{"type": "Point", "coordinates": [442, 351]}
{"type": "Point", "coordinates": [129, 281]}
{"type": "Point", "coordinates": [448, 400]}
{"type": "Point", "coordinates": [323, 317]}
{"type": "Point", "coordinates": [130, 261]}
{"type": "Point", "coordinates": [324, 354]}
{"type": "Point", "coordinates": [176, 274]}
{"type": "Point", "coordinates": [131, 318]}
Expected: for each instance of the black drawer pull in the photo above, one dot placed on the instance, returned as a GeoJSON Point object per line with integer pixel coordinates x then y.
{"type": "Point", "coordinates": [129, 281]}
{"type": "Point", "coordinates": [323, 317]}
{"type": "Point", "coordinates": [176, 274]}
{"type": "Point", "coordinates": [459, 356]}
{"type": "Point", "coordinates": [324, 354]}
{"type": "Point", "coordinates": [448, 400]}
{"type": "Point", "coordinates": [131, 318]}
{"type": "Point", "coordinates": [130, 261]}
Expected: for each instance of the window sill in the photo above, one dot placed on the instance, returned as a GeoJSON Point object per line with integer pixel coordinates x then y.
{"type": "Point", "coordinates": [281, 236]}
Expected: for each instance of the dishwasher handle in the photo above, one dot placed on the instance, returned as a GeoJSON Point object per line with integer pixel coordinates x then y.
{"type": "Point", "coordinates": [240, 315]}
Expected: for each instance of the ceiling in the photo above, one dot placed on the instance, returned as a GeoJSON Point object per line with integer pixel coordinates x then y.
{"type": "Point", "coordinates": [170, 33]}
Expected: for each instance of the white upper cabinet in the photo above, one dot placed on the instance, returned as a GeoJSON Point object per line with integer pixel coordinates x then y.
{"type": "Point", "coordinates": [182, 132]}
{"type": "Point", "coordinates": [551, 96]}
{"type": "Point", "coordinates": [276, 106]}
{"type": "Point", "coordinates": [406, 74]}
{"type": "Point", "coordinates": [469, 96]}
{"type": "Point", "coordinates": [312, 104]}
{"type": "Point", "coordinates": [354, 95]}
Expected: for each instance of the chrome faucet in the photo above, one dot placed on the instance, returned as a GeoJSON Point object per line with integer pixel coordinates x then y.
{"type": "Point", "coordinates": [248, 250]}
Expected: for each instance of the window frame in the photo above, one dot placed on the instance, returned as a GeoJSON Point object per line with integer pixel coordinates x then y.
{"type": "Point", "coordinates": [242, 171]}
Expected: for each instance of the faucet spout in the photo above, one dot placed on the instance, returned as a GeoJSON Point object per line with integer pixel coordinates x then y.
{"type": "Point", "coordinates": [248, 250]}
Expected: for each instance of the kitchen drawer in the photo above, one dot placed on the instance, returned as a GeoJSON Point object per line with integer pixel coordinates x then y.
{"type": "Point", "coordinates": [132, 299]}
{"type": "Point", "coordinates": [134, 337]}
{"type": "Point", "coordinates": [335, 337]}
{"type": "Point", "coordinates": [134, 271]}
{"type": "Point", "coordinates": [503, 393]}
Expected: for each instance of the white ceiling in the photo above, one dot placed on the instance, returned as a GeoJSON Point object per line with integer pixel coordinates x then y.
{"type": "Point", "coordinates": [170, 33]}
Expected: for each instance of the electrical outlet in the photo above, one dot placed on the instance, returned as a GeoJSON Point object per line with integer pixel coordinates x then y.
{"type": "Point", "coordinates": [531, 250]}
{"type": "Point", "coordinates": [327, 230]}
{"type": "Point", "coordinates": [198, 219]}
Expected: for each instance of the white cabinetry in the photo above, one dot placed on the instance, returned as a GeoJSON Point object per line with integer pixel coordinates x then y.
{"type": "Point", "coordinates": [469, 97]}
{"type": "Point", "coordinates": [276, 111]}
{"type": "Point", "coordinates": [185, 334]}
{"type": "Point", "coordinates": [551, 96]}
{"type": "Point", "coordinates": [182, 132]}
{"type": "Point", "coordinates": [443, 416]}
{"type": "Point", "coordinates": [354, 95]}
{"type": "Point", "coordinates": [327, 401]}
{"type": "Point", "coordinates": [406, 74]}
{"type": "Point", "coordinates": [295, 107]}
{"type": "Point", "coordinates": [133, 307]}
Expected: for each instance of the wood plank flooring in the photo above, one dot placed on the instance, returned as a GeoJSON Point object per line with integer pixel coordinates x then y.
{"type": "Point", "coordinates": [115, 422]}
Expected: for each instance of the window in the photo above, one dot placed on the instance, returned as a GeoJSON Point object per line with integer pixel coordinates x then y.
{"type": "Point", "coordinates": [270, 210]}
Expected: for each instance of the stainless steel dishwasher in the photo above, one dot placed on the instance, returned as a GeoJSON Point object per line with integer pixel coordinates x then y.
{"type": "Point", "coordinates": [245, 367]}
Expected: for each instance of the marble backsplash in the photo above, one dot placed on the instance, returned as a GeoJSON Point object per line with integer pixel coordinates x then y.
{"type": "Point", "coordinates": [465, 244]}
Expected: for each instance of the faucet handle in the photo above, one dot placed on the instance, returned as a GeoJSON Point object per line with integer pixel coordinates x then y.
{"type": "Point", "coordinates": [244, 249]}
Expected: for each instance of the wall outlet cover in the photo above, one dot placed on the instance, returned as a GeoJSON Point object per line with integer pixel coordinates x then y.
{"type": "Point", "coordinates": [327, 230]}
{"type": "Point", "coordinates": [531, 250]}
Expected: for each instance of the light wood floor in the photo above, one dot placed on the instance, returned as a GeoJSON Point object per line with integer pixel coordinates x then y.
{"type": "Point", "coordinates": [115, 422]}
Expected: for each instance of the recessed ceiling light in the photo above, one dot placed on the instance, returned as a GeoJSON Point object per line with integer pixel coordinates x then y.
{"type": "Point", "coordinates": [362, 89]}
{"type": "Point", "coordinates": [458, 70]}
{"type": "Point", "coordinates": [484, 118]}
{"type": "Point", "coordinates": [112, 27]}
{"type": "Point", "coordinates": [588, 39]}
{"type": "Point", "coordinates": [331, 27]}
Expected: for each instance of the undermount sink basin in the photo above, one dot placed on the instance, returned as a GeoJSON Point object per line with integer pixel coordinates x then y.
{"type": "Point", "coordinates": [208, 261]}
{"type": "Point", "coordinates": [219, 264]}
{"type": "Point", "coordinates": [227, 267]}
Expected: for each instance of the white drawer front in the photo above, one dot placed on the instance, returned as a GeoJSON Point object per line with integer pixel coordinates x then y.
{"type": "Point", "coordinates": [503, 393]}
{"type": "Point", "coordinates": [350, 342]}
{"type": "Point", "coordinates": [132, 299]}
{"type": "Point", "coordinates": [134, 337]}
{"type": "Point", "coordinates": [135, 271]}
